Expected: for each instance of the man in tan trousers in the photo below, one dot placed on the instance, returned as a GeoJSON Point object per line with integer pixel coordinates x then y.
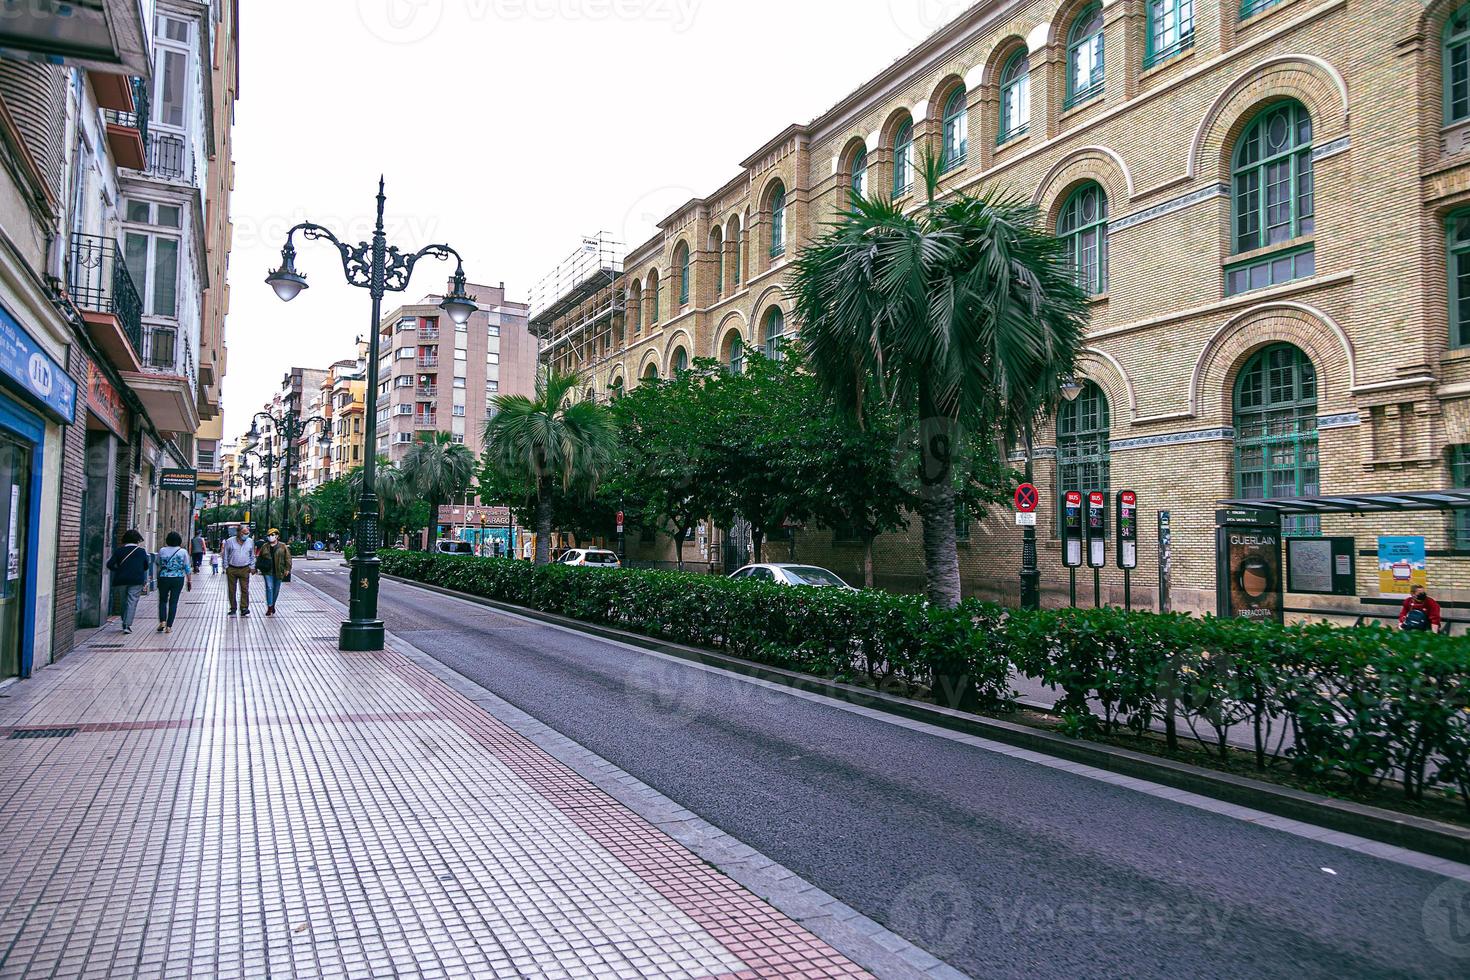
{"type": "Point", "coordinates": [239, 557]}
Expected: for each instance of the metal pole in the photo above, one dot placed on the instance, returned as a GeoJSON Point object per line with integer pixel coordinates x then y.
{"type": "Point", "coordinates": [1072, 586]}
{"type": "Point", "coordinates": [290, 472]}
{"type": "Point", "coordinates": [1097, 588]}
{"type": "Point", "coordinates": [1030, 574]}
{"type": "Point", "coordinates": [1127, 590]}
{"type": "Point", "coordinates": [270, 482]}
{"type": "Point", "coordinates": [365, 631]}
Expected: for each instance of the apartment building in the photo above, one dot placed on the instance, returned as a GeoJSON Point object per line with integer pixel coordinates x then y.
{"type": "Point", "coordinates": [1269, 203]}
{"type": "Point", "coordinates": [346, 389]}
{"type": "Point", "coordinates": [436, 377]}
{"type": "Point", "coordinates": [112, 146]}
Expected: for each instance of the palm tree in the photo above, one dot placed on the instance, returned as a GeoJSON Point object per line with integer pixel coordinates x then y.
{"type": "Point", "coordinates": [388, 484]}
{"type": "Point", "coordinates": [553, 445]}
{"type": "Point", "coordinates": [438, 469]}
{"type": "Point", "coordinates": [962, 311]}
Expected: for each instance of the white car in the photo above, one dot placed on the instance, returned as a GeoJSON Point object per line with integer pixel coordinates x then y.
{"type": "Point", "coordinates": [807, 575]}
{"type": "Point", "coordinates": [462, 549]}
{"type": "Point", "coordinates": [590, 558]}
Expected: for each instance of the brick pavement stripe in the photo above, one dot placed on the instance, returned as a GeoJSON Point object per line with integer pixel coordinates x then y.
{"type": "Point", "coordinates": [241, 799]}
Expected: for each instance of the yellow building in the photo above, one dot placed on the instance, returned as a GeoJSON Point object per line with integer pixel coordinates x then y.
{"type": "Point", "coordinates": [1265, 200]}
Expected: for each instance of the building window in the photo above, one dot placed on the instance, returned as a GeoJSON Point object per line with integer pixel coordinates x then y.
{"type": "Point", "coordinates": [717, 246]}
{"type": "Point", "coordinates": [1083, 227]}
{"type": "Point", "coordinates": [1170, 29]}
{"type": "Point", "coordinates": [1249, 7]}
{"type": "Point", "coordinates": [1272, 197]}
{"type": "Point", "coordinates": [1460, 476]}
{"type": "Point", "coordinates": [1085, 56]}
{"type": "Point", "coordinates": [153, 262]}
{"type": "Point", "coordinates": [736, 359]}
{"type": "Point", "coordinates": [653, 295]}
{"type": "Point", "coordinates": [681, 262]}
{"type": "Point", "coordinates": [859, 172]}
{"type": "Point", "coordinates": [775, 334]}
{"type": "Point", "coordinates": [1015, 97]}
{"type": "Point", "coordinates": [1276, 430]}
{"type": "Point", "coordinates": [171, 78]}
{"type": "Point", "coordinates": [1455, 64]}
{"type": "Point", "coordinates": [778, 221]}
{"type": "Point", "coordinates": [903, 159]}
{"type": "Point", "coordinates": [956, 130]}
{"type": "Point", "coordinates": [1083, 440]}
{"type": "Point", "coordinates": [1458, 235]}
{"type": "Point", "coordinates": [680, 361]}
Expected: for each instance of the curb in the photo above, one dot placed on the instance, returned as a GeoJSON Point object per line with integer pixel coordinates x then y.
{"type": "Point", "coordinates": [1375, 823]}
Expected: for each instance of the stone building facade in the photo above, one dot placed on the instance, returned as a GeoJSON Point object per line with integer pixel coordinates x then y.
{"type": "Point", "coordinates": [1269, 201]}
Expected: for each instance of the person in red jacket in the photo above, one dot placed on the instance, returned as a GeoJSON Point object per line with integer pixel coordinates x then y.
{"type": "Point", "coordinates": [1420, 612]}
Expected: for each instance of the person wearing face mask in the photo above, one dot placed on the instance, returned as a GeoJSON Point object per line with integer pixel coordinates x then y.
{"type": "Point", "coordinates": [274, 566]}
{"type": "Point", "coordinates": [1420, 613]}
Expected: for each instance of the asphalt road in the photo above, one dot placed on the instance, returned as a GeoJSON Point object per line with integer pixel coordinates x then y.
{"type": "Point", "coordinates": [1000, 867]}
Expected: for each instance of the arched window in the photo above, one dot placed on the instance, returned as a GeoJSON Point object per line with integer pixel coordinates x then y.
{"type": "Point", "coordinates": [617, 389]}
{"type": "Point", "coordinates": [903, 159]}
{"type": "Point", "coordinates": [635, 305]}
{"type": "Point", "coordinates": [1085, 56]}
{"type": "Point", "coordinates": [1455, 65]}
{"type": "Point", "coordinates": [778, 221]}
{"type": "Point", "coordinates": [679, 363]}
{"type": "Point", "coordinates": [735, 355]}
{"type": "Point", "coordinates": [1015, 96]}
{"type": "Point", "coordinates": [737, 235]}
{"type": "Point", "coordinates": [1170, 29]}
{"type": "Point", "coordinates": [956, 130]}
{"type": "Point", "coordinates": [1276, 429]}
{"type": "Point", "coordinates": [1272, 196]}
{"type": "Point", "coordinates": [650, 373]}
{"type": "Point", "coordinates": [859, 172]}
{"type": "Point", "coordinates": [775, 328]}
{"type": "Point", "coordinates": [681, 262]}
{"type": "Point", "coordinates": [1459, 278]}
{"type": "Point", "coordinates": [653, 296]}
{"type": "Point", "coordinates": [1083, 226]}
{"type": "Point", "coordinates": [1083, 441]}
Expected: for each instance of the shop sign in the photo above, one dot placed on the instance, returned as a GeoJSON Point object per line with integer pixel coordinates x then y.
{"type": "Point", "coordinates": [475, 516]}
{"type": "Point", "coordinates": [34, 371]}
{"type": "Point", "coordinates": [184, 481]}
{"type": "Point", "coordinates": [104, 401]}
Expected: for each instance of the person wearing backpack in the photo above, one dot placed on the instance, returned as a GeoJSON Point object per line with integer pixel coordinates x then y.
{"type": "Point", "coordinates": [197, 549]}
{"type": "Point", "coordinates": [174, 572]}
{"type": "Point", "coordinates": [274, 565]}
{"type": "Point", "coordinates": [1420, 614]}
{"type": "Point", "coordinates": [129, 566]}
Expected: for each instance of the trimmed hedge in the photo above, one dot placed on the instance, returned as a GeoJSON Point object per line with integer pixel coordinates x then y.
{"type": "Point", "coordinates": [1361, 706]}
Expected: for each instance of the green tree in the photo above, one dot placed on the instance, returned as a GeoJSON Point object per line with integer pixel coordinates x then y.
{"type": "Point", "coordinates": [963, 315]}
{"type": "Point", "coordinates": [331, 507]}
{"type": "Point", "coordinates": [556, 447]}
{"type": "Point", "coordinates": [437, 470]}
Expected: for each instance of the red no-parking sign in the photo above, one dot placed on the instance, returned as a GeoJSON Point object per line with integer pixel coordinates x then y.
{"type": "Point", "coordinates": [1027, 499]}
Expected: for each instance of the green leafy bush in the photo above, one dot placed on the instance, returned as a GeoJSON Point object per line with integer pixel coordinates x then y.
{"type": "Point", "coordinates": [1358, 706]}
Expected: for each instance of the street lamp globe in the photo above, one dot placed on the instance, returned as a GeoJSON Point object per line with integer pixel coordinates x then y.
{"type": "Point", "coordinates": [286, 281]}
{"type": "Point", "coordinates": [458, 304]}
{"type": "Point", "coordinates": [1071, 388]}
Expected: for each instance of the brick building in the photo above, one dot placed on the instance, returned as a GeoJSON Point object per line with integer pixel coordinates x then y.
{"type": "Point", "coordinates": [1265, 200]}
{"type": "Point", "coordinates": [434, 377]}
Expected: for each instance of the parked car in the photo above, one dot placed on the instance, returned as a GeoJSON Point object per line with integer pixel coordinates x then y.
{"type": "Point", "coordinates": [797, 575]}
{"type": "Point", "coordinates": [590, 558]}
{"type": "Point", "coordinates": [458, 548]}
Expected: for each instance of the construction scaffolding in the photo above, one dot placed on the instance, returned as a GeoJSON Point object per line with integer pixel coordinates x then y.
{"type": "Point", "coordinates": [577, 310]}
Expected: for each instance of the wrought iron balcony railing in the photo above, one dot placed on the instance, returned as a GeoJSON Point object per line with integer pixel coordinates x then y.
{"type": "Point", "coordinates": [98, 279]}
{"type": "Point", "coordinates": [170, 157]}
{"type": "Point", "coordinates": [138, 118]}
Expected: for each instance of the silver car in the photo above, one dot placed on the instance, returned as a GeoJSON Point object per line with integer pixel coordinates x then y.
{"type": "Point", "coordinates": [794, 575]}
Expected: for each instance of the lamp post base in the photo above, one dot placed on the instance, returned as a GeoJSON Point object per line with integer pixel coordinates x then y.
{"type": "Point", "coordinates": [361, 636]}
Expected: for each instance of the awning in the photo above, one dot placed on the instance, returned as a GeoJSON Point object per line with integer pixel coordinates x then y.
{"type": "Point", "coordinates": [1364, 503]}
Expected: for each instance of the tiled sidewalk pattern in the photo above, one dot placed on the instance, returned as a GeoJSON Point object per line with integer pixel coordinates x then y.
{"type": "Point", "coordinates": [238, 798]}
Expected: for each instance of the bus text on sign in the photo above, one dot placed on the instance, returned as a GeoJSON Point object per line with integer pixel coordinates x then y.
{"type": "Point", "coordinates": [1127, 521]}
{"type": "Point", "coordinates": [1072, 529]}
{"type": "Point", "coordinates": [1097, 529]}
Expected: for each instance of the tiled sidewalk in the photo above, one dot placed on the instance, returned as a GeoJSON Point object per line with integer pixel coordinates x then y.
{"type": "Point", "coordinates": [238, 798]}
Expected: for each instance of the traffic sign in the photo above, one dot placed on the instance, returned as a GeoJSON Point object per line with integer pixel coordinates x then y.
{"type": "Point", "coordinates": [1127, 530]}
{"type": "Point", "coordinates": [1027, 499]}
{"type": "Point", "coordinates": [1072, 529]}
{"type": "Point", "coordinates": [1025, 520]}
{"type": "Point", "coordinates": [620, 522]}
{"type": "Point", "coordinates": [1097, 529]}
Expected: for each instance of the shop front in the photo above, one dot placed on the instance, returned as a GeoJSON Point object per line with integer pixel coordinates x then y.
{"type": "Point", "coordinates": [33, 389]}
{"type": "Point", "coordinates": [102, 498]}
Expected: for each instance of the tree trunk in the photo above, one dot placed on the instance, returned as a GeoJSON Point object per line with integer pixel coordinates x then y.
{"type": "Point", "coordinates": [679, 547]}
{"type": "Point", "coordinates": [868, 561]}
{"type": "Point", "coordinates": [543, 530]}
{"type": "Point", "coordinates": [757, 544]}
{"type": "Point", "coordinates": [433, 523]}
{"type": "Point", "coordinates": [938, 434]}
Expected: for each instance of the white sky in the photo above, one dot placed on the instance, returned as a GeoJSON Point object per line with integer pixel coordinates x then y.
{"type": "Point", "coordinates": [508, 129]}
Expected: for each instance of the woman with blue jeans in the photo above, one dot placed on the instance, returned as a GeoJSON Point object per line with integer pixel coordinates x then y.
{"type": "Point", "coordinates": [173, 567]}
{"type": "Point", "coordinates": [129, 566]}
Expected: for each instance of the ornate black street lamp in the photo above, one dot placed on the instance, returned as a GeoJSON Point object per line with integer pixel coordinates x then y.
{"type": "Point", "coordinates": [380, 269]}
{"type": "Point", "coordinates": [267, 461]}
{"type": "Point", "coordinates": [290, 427]}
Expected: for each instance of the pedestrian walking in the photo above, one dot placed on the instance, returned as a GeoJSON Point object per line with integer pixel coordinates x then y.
{"type": "Point", "coordinates": [197, 548]}
{"type": "Point", "coordinates": [1420, 613]}
{"type": "Point", "coordinates": [239, 558]}
{"type": "Point", "coordinates": [173, 572]}
{"type": "Point", "coordinates": [274, 566]}
{"type": "Point", "coordinates": [129, 568]}
{"type": "Point", "coordinates": [214, 563]}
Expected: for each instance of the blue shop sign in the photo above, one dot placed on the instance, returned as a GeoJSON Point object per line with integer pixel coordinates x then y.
{"type": "Point", "coordinates": [24, 362]}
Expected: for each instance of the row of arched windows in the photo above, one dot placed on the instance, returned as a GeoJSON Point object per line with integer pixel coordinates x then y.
{"type": "Point", "coordinates": [774, 337]}
{"type": "Point", "coordinates": [1275, 419]}
{"type": "Point", "coordinates": [727, 245]}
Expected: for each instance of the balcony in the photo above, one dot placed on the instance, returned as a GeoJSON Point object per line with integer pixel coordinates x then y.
{"type": "Point", "coordinates": [428, 393]}
{"type": "Point", "coordinates": [170, 157]}
{"type": "Point", "coordinates": [127, 132]}
{"type": "Point", "coordinates": [102, 288]}
{"type": "Point", "coordinates": [98, 35]}
{"type": "Point", "coordinates": [428, 333]}
{"type": "Point", "coordinates": [426, 421]}
{"type": "Point", "coordinates": [428, 363]}
{"type": "Point", "coordinates": [165, 386]}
